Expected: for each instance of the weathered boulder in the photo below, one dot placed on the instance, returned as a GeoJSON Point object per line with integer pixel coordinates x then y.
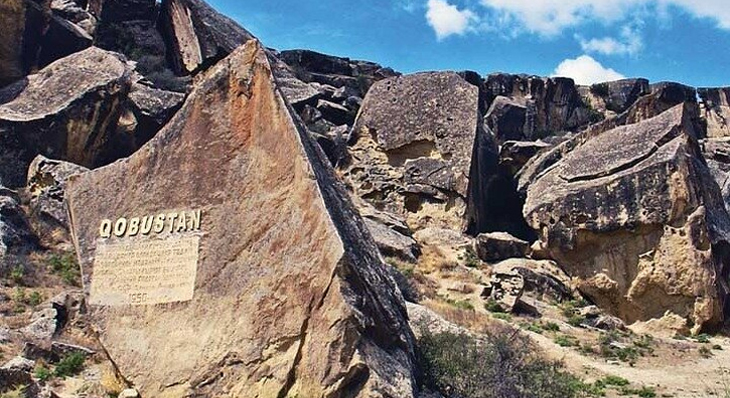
{"type": "Point", "coordinates": [549, 105]}
{"type": "Point", "coordinates": [338, 72]}
{"type": "Point", "coordinates": [148, 109]}
{"type": "Point", "coordinates": [543, 279]}
{"type": "Point", "coordinates": [46, 185]}
{"type": "Point", "coordinates": [24, 22]}
{"type": "Point", "coordinates": [197, 35]}
{"type": "Point", "coordinates": [617, 96]}
{"type": "Point", "coordinates": [75, 11]}
{"type": "Point", "coordinates": [276, 287]}
{"type": "Point", "coordinates": [412, 165]}
{"type": "Point", "coordinates": [717, 155]}
{"type": "Point", "coordinates": [61, 39]}
{"type": "Point", "coordinates": [391, 234]}
{"type": "Point", "coordinates": [716, 107]}
{"type": "Point", "coordinates": [505, 289]}
{"type": "Point", "coordinates": [16, 236]}
{"type": "Point", "coordinates": [634, 214]}
{"type": "Point", "coordinates": [122, 10]}
{"type": "Point", "coordinates": [497, 246]}
{"type": "Point", "coordinates": [513, 155]}
{"type": "Point", "coordinates": [297, 92]}
{"type": "Point", "coordinates": [66, 111]}
{"type": "Point", "coordinates": [506, 118]}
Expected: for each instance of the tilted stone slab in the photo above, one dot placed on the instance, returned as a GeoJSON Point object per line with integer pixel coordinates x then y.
{"type": "Point", "coordinates": [223, 258]}
{"type": "Point", "coordinates": [635, 216]}
{"type": "Point", "coordinates": [66, 111]}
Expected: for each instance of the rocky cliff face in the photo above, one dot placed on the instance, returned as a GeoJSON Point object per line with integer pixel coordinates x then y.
{"type": "Point", "coordinates": [635, 215]}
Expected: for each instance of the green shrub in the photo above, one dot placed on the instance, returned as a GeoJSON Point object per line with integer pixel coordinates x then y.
{"type": "Point", "coordinates": [470, 258]}
{"type": "Point", "coordinates": [42, 373]}
{"type": "Point", "coordinates": [576, 320]}
{"type": "Point", "coordinates": [551, 327]}
{"type": "Point", "coordinates": [617, 381]}
{"type": "Point", "coordinates": [501, 365]}
{"type": "Point", "coordinates": [17, 392]}
{"type": "Point", "coordinates": [17, 274]}
{"type": "Point", "coordinates": [70, 365]}
{"type": "Point", "coordinates": [643, 392]}
{"type": "Point", "coordinates": [493, 306]}
{"type": "Point", "coordinates": [564, 340]}
{"type": "Point", "coordinates": [35, 299]}
{"type": "Point", "coordinates": [502, 316]}
{"type": "Point", "coordinates": [65, 265]}
{"type": "Point", "coordinates": [702, 338]}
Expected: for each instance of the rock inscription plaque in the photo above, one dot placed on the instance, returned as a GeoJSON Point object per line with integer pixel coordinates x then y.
{"type": "Point", "coordinates": [144, 272]}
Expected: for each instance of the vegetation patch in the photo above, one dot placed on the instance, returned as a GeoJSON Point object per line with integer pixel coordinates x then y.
{"type": "Point", "coordinates": [498, 365]}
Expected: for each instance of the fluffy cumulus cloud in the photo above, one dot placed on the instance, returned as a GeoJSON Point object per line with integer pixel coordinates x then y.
{"type": "Point", "coordinates": [628, 43]}
{"type": "Point", "coordinates": [551, 17]}
{"type": "Point", "coordinates": [447, 19]}
{"type": "Point", "coordinates": [586, 70]}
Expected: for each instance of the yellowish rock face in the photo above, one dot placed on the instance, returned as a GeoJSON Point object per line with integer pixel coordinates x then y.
{"type": "Point", "coordinates": [286, 296]}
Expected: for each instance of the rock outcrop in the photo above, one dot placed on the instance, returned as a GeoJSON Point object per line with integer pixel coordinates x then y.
{"type": "Point", "coordinates": [46, 186]}
{"type": "Point", "coordinates": [635, 215]}
{"type": "Point", "coordinates": [530, 107]}
{"type": "Point", "coordinates": [288, 296]}
{"type": "Point", "coordinates": [24, 23]}
{"type": "Point", "coordinates": [716, 107]}
{"type": "Point", "coordinates": [413, 165]}
{"type": "Point", "coordinates": [197, 35]}
{"type": "Point", "coordinates": [16, 236]}
{"type": "Point", "coordinates": [68, 111]}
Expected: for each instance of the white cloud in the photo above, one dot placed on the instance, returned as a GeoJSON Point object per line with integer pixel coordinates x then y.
{"type": "Point", "coordinates": [585, 70]}
{"type": "Point", "coordinates": [551, 17]}
{"type": "Point", "coordinates": [629, 43]}
{"type": "Point", "coordinates": [447, 19]}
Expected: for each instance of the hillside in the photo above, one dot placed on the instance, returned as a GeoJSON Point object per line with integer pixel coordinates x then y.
{"type": "Point", "coordinates": [185, 212]}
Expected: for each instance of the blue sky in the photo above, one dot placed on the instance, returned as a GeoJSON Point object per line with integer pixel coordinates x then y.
{"type": "Point", "coordinates": [590, 40]}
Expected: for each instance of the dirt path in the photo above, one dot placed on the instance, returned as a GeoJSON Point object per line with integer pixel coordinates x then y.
{"type": "Point", "coordinates": [674, 374]}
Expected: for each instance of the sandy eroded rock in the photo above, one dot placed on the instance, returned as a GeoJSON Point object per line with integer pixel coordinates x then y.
{"type": "Point", "coordinates": [635, 215]}
{"type": "Point", "coordinates": [413, 153]}
{"type": "Point", "coordinates": [290, 297]}
{"type": "Point", "coordinates": [66, 111]}
{"type": "Point", "coordinates": [198, 35]}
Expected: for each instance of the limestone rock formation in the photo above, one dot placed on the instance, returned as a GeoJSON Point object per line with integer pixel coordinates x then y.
{"type": "Point", "coordinates": [16, 236]}
{"type": "Point", "coordinates": [66, 111]}
{"type": "Point", "coordinates": [497, 246]}
{"type": "Point", "coordinates": [289, 296]}
{"type": "Point", "coordinates": [530, 107]}
{"type": "Point", "coordinates": [46, 186]}
{"type": "Point", "coordinates": [617, 96]}
{"type": "Point", "coordinates": [197, 35]}
{"type": "Point", "coordinates": [716, 103]}
{"type": "Point", "coordinates": [635, 215]}
{"type": "Point", "coordinates": [357, 76]}
{"type": "Point", "coordinates": [717, 155]}
{"type": "Point", "coordinates": [413, 165]}
{"type": "Point", "coordinates": [24, 23]}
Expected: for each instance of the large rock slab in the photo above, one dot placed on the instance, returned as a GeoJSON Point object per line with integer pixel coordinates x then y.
{"type": "Point", "coordinates": [66, 111]}
{"type": "Point", "coordinates": [414, 140]}
{"type": "Point", "coordinates": [636, 216]}
{"type": "Point", "coordinates": [279, 290]}
{"type": "Point", "coordinates": [24, 23]}
{"type": "Point", "coordinates": [198, 35]}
